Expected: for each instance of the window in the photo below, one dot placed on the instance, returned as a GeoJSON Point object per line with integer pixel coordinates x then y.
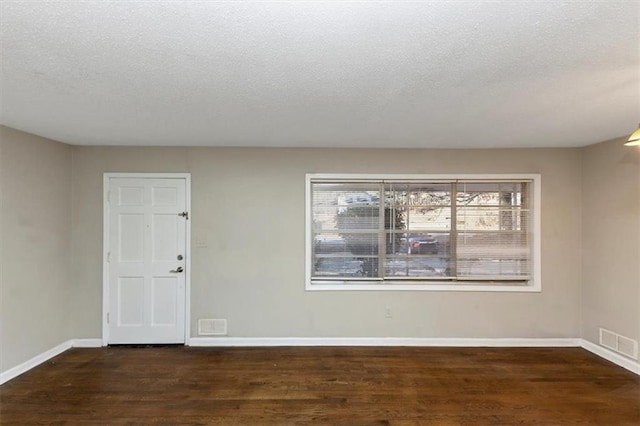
{"type": "Point", "coordinates": [423, 232]}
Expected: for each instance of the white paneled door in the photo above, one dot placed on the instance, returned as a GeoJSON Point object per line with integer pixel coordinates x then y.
{"type": "Point", "coordinates": [146, 260]}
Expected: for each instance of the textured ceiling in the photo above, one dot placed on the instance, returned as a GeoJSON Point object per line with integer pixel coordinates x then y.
{"type": "Point", "coordinates": [322, 74]}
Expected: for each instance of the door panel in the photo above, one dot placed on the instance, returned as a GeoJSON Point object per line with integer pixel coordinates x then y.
{"type": "Point", "coordinates": [164, 196]}
{"type": "Point", "coordinates": [130, 301]}
{"type": "Point", "coordinates": [131, 196]}
{"type": "Point", "coordinates": [164, 237]}
{"type": "Point", "coordinates": [147, 239]}
{"type": "Point", "coordinates": [164, 297]}
{"type": "Point", "coordinates": [131, 238]}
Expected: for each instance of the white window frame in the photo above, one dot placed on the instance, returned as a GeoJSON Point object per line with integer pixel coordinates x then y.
{"type": "Point", "coordinates": [533, 285]}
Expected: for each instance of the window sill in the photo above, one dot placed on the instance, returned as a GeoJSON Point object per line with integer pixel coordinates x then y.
{"type": "Point", "coordinates": [477, 286]}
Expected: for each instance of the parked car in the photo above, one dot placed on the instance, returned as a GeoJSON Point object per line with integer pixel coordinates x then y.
{"type": "Point", "coordinates": [362, 198]}
{"type": "Point", "coordinates": [422, 244]}
{"type": "Point", "coordinates": [339, 266]}
{"type": "Point", "coordinates": [328, 245]}
{"type": "Point", "coordinates": [353, 245]}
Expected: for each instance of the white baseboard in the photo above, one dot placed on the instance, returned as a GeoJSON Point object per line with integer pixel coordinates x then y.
{"type": "Point", "coordinates": [14, 372]}
{"type": "Point", "coordinates": [11, 373]}
{"type": "Point", "coordinates": [605, 353]}
{"type": "Point", "coordinates": [87, 343]}
{"type": "Point", "coordinates": [380, 341]}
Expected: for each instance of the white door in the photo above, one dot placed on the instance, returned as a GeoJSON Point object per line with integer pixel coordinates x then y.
{"type": "Point", "coordinates": [146, 260]}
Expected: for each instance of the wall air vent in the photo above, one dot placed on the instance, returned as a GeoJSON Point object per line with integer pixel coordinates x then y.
{"type": "Point", "coordinates": [618, 343]}
{"type": "Point", "coordinates": [212, 327]}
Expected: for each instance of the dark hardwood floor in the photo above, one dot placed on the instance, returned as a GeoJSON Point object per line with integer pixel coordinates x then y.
{"type": "Point", "coordinates": [352, 386]}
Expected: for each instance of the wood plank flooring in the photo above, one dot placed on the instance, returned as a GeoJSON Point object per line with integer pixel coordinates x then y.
{"type": "Point", "coordinates": [323, 385]}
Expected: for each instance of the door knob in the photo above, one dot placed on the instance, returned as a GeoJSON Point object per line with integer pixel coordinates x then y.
{"type": "Point", "coordinates": [177, 270]}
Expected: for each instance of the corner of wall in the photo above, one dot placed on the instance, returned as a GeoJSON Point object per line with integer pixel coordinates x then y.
{"type": "Point", "coordinates": [610, 271]}
{"type": "Point", "coordinates": [582, 221]}
{"type": "Point", "coordinates": [35, 209]}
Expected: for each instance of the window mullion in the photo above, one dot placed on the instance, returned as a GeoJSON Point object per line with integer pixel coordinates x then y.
{"type": "Point", "coordinates": [381, 233]}
{"type": "Point", "coordinates": [453, 238]}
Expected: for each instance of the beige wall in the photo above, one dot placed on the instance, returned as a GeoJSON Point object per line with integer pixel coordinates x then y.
{"type": "Point", "coordinates": [248, 209]}
{"type": "Point", "coordinates": [611, 239]}
{"type": "Point", "coordinates": [35, 287]}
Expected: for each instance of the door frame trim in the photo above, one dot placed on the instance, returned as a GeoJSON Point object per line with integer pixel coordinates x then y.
{"type": "Point", "coordinates": [106, 245]}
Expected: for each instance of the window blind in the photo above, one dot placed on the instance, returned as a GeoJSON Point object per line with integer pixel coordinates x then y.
{"type": "Point", "coordinates": [421, 230]}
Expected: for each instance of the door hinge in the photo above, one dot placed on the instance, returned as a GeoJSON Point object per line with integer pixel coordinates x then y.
{"type": "Point", "coordinates": [108, 257]}
{"type": "Point", "coordinates": [108, 317]}
{"type": "Point", "coordinates": [109, 197]}
{"type": "Point", "coordinates": [184, 214]}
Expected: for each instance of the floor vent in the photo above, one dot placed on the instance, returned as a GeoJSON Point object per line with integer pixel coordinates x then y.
{"type": "Point", "coordinates": [212, 327]}
{"type": "Point", "coordinates": [620, 344]}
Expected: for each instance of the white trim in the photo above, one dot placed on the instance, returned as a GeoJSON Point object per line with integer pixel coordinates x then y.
{"type": "Point", "coordinates": [105, 251]}
{"type": "Point", "coordinates": [419, 286]}
{"type": "Point", "coordinates": [87, 343]}
{"type": "Point", "coordinates": [149, 175]}
{"type": "Point", "coordinates": [307, 233]}
{"type": "Point", "coordinates": [536, 255]}
{"type": "Point", "coordinates": [441, 177]}
{"type": "Point", "coordinates": [19, 369]}
{"type": "Point", "coordinates": [381, 341]}
{"type": "Point", "coordinates": [533, 286]}
{"type": "Point", "coordinates": [106, 244]}
{"type": "Point", "coordinates": [609, 355]}
{"type": "Point", "coordinates": [187, 277]}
